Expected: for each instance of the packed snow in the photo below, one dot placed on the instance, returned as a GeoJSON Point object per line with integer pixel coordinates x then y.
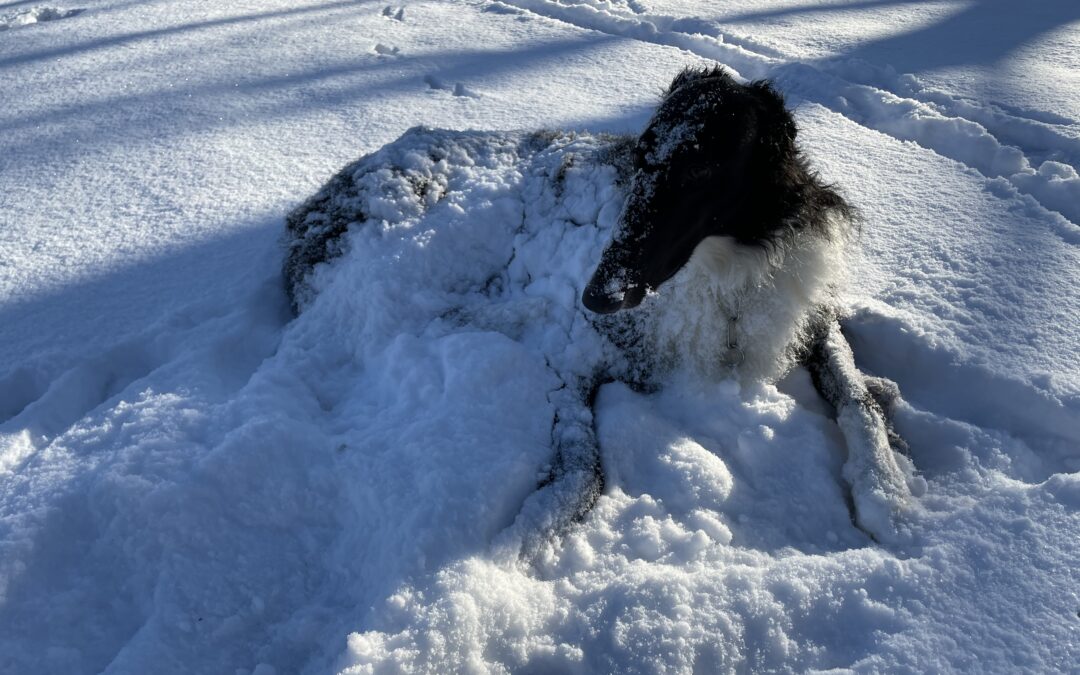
{"type": "Point", "coordinates": [194, 480]}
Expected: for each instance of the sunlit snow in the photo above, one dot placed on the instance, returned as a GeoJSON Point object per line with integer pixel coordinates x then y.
{"type": "Point", "coordinates": [192, 480]}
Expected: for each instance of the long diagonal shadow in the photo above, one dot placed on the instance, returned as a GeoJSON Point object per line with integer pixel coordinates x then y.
{"type": "Point", "coordinates": [70, 121]}
{"type": "Point", "coordinates": [984, 33]}
{"type": "Point", "coordinates": [129, 38]}
{"type": "Point", "coordinates": [812, 8]}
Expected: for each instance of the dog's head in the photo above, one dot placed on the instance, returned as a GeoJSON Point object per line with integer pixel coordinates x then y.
{"type": "Point", "coordinates": [715, 160]}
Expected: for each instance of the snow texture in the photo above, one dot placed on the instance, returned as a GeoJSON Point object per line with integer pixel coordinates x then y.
{"type": "Point", "coordinates": [193, 481]}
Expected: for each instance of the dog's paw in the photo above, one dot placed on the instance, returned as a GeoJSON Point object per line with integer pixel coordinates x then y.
{"type": "Point", "coordinates": [886, 394]}
{"type": "Point", "coordinates": [883, 481]}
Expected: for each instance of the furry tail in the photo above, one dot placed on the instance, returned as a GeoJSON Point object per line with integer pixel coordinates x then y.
{"type": "Point", "coordinates": [877, 474]}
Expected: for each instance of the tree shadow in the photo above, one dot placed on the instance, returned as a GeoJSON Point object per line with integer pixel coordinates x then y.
{"type": "Point", "coordinates": [49, 330]}
{"type": "Point", "coordinates": [119, 120]}
{"type": "Point", "coordinates": [812, 8]}
{"type": "Point", "coordinates": [127, 39]}
{"type": "Point", "coordinates": [982, 33]}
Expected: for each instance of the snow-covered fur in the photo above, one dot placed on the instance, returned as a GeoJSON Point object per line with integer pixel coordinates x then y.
{"type": "Point", "coordinates": [711, 221]}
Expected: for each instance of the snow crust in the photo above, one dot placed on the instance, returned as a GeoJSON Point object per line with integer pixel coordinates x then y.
{"type": "Point", "coordinates": [192, 481]}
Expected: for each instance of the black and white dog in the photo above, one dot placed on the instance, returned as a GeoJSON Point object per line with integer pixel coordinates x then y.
{"type": "Point", "coordinates": [721, 191]}
{"type": "Point", "coordinates": [723, 261]}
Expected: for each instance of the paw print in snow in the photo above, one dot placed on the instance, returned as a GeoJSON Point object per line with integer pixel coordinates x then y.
{"type": "Point", "coordinates": [458, 89]}
{"type": "Point", "coordinates": [396, 14]}
{"type": "Point", "coordinates": [386, 50]}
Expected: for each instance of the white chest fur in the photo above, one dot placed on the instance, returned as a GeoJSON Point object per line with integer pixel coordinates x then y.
{"type": "Point", "coordinates": [741, 309]}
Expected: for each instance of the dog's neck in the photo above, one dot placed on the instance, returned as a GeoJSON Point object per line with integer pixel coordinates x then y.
{"type": "Point", "coordinates": [741, 309]}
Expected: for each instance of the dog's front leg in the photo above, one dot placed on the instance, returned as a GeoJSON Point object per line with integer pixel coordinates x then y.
{"type": "Point", "coordinates": [571, 484]}
{"type": "Point", "coordinates": [878, 476]}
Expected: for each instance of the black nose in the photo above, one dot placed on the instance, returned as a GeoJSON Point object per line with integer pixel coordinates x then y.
{"type": "Point", "coordinates": [596, 300]}
{"type": "Point", "coordinates": [607, 297]}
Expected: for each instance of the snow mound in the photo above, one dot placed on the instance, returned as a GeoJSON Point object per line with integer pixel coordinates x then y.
{"type": "Point", "coordinates": [34, 15]}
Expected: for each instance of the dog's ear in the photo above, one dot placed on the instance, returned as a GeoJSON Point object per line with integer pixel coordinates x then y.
{"type": "Point", "coordinates": [777, 115]}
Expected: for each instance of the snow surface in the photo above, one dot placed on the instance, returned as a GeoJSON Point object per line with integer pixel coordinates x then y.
{"type": "Point", "coordinates": [191, 481]}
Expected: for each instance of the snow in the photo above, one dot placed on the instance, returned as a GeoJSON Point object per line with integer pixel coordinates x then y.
{"type": "Point", "coordinates": [193, 481]}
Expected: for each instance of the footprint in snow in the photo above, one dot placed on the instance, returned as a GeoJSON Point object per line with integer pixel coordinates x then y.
{"type": "Point", "coordinates": [458, 89]}
{"type": "Point", "coordinates": [386, 50]}
{"type": "Point", "coordinates": [36, 15]}
{"type": "Point", "coordinates": [396, 14]}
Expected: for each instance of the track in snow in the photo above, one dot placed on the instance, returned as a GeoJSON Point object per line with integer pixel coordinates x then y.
{"type": "Point", "coordinates": [1005, 145]}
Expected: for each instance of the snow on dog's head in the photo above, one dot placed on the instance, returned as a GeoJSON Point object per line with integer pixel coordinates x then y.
{"type": "Point", "coordinates": [718, 159]}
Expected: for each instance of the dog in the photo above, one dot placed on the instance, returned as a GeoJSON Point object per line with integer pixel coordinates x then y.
{"type": "Point", "coordinates": [722, 192]}
{"type": "Point", "coordinates": [723, 260]}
